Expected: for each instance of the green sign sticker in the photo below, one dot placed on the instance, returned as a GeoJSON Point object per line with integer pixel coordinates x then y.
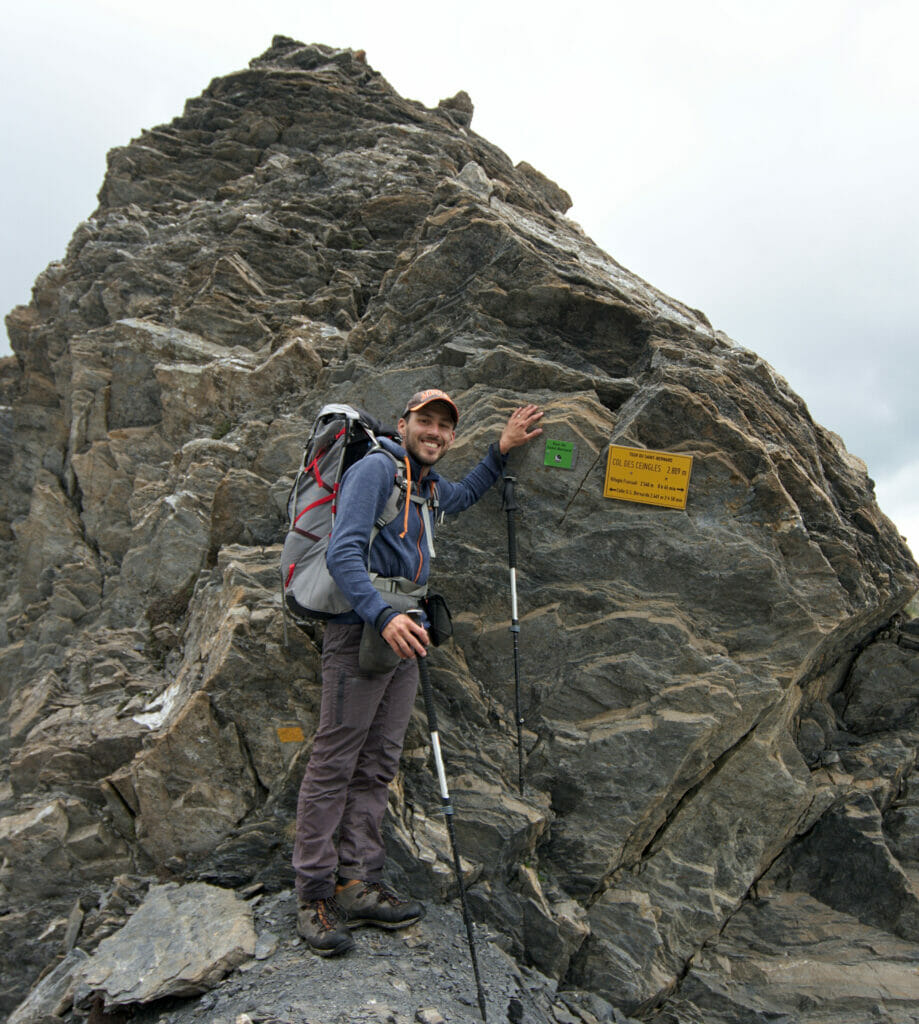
{"type": "Point", "coordinates": [560, 454]}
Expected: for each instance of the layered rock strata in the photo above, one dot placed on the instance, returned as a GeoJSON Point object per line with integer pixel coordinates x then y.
{"type": "Point", "coordinates": [720, 706]}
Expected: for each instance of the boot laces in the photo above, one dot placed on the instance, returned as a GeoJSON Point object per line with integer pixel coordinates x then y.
{"type": "Point", "coordinates": [383, 893]}
{"type": "Point", "coordinates": [328, 913]}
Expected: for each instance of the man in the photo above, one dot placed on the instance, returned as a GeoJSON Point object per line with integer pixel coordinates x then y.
{"type": "Point", "coordinates": [365, 710]}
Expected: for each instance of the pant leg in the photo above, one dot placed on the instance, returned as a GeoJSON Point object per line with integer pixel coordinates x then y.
{"type": "Point", "coordinates": [350, 699]}
{"type": "Point", "coordinates": [361, 849]}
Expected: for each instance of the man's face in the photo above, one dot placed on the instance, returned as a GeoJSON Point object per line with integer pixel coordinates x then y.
{"type": "Point", "coordinates": [428, 433]}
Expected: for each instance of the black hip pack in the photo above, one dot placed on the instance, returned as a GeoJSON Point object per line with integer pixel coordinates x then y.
{"type": "Point", "coordinates": [440, 621]}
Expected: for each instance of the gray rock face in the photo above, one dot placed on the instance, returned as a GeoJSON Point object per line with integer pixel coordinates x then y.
{"type": "Point", "coordinates": [712, 697]}
{"type": "Point", "coordinates": [883, 689]}
{"type": "Point", "coordinates": [179, 942]}
{"type": "Point", "coordinates": [53, 995]}
{"type": "Point", "coordinates": [787, 957]}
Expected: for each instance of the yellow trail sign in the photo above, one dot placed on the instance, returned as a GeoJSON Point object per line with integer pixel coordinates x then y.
{"type": "Point", "coordinates": [653, 478]}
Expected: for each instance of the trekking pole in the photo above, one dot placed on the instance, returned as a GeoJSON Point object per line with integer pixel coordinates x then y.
{"type": "Point", "coordinates": [447, 808]}
{"type": "Point", "coordinates": [510, 506]}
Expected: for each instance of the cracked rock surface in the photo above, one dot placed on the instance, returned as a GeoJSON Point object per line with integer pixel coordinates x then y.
{"type": "Point", "coordinates": [720, 703]}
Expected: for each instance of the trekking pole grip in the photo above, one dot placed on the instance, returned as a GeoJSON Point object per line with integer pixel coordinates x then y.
{"type": "Point", "coordinates": [510, 502]}
{"type": "Point", "coordinates": [510, 506]}
{"type": "Point", "coordinates": [427, 694]}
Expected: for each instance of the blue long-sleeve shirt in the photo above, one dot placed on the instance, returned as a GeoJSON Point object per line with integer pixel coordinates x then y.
{"type": "Point", "coordinates": [365, 489]}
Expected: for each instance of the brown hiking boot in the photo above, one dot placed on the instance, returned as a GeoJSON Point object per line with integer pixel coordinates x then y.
{"type": "Point", "coordinates": [323, 924]}
{"type": "Point", "coordinates": [373, 903]}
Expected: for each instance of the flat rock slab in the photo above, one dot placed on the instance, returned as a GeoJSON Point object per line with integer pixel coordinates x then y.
{"type": "Point", "coordinates": [181, 941]}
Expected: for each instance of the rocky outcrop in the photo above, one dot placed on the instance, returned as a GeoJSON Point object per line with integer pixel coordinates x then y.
{"type": "Point", "coordinates": [719, 702]}
{"type": "Point", "coordinates": [179, 942]}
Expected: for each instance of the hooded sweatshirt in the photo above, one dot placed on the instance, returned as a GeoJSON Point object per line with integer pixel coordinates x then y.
{"type": "Point", "coordinates": [400, 548]}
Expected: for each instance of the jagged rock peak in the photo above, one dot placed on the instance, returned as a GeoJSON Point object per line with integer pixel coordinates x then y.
{"type": "Point", "coordinates": [719, 701]}
{"type": "Point", "coordinates": [287, 52]}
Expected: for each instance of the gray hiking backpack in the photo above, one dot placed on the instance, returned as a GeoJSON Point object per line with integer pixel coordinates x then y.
{"type": "Point", "coordinates": [341, 435]}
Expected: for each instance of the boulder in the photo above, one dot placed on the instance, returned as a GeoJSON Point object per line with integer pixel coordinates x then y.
{"type": "Point", "coordinates": [181, 941]}
{"type": "Point", "coordinates": [883, 689]}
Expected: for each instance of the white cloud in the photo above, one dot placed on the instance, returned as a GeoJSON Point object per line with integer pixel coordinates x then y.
{"type": "Point", "coordinates": [898, 496]}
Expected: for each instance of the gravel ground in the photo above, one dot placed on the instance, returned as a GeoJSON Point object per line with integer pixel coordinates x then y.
{"type": "Point", "coordinates": [419, 974]}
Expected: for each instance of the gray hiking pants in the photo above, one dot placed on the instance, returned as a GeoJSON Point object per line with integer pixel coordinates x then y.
{"type": "Point", "coordinates": [356, 751]}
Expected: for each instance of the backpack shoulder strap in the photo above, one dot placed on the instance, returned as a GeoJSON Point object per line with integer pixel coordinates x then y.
{"type": "Point", "coordinates": [396, 502]}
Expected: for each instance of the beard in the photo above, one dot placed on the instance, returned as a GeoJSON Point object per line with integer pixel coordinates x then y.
{"type": "Point", "coordinates": [421, 453]}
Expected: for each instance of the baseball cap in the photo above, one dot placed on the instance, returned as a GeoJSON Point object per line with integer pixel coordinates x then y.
{"type": "Point", "coordinates": [423, 398]}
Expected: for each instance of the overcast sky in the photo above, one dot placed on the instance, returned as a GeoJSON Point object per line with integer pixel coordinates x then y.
{"type": "Point", "coordinates": [756, 161]}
